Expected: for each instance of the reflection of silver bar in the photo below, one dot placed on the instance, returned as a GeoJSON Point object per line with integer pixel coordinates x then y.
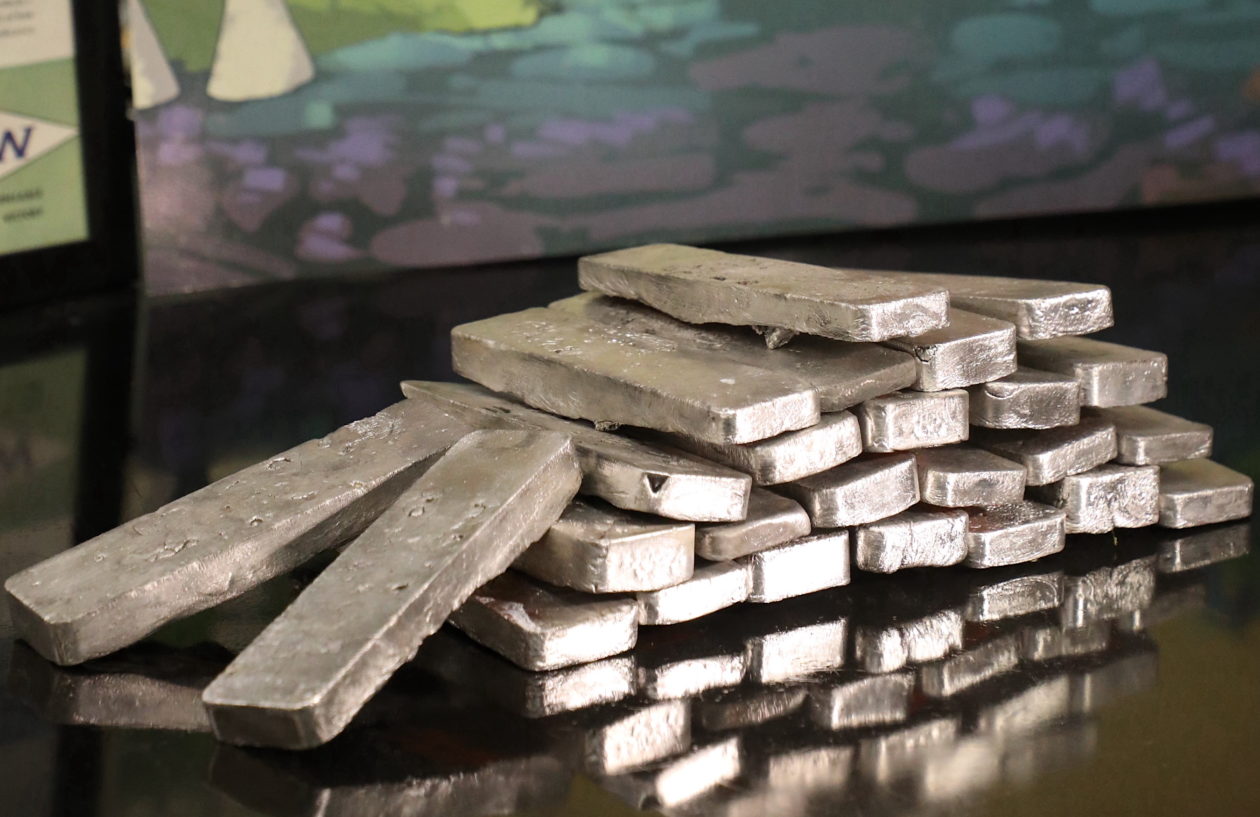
{"type": "Point", "coordinates": [892, 646]}
{"type": "Point", "coordinates": [908, 420]}
{"type": "Point", "coordinates": [852, 701]}
{"type": "Point", "coordinates": [802, 566]}
{"type": "Point", "coordinates": [1169, 603]}
{"type": "Point", "coordinates": [220, 541]}
{"type": "Point", "coordinates": [1022, 593]}
{"type": "Point", "coordinates": [746, 706]}
{"type": "Point", "coordinates": [540, 627]}
{"type": "Point", "coordinates": [623, 737]}
{"type": "Point", "coordinates": [1134, 671]}
{"type": "Point", "coordinates": [600, 549]}
{"type": "Point", "coordinates": [972, 349]}
{"type": "Point", "coordinates": [623, 472]}
{"type": "Point", "coordinates": [1109, 374]}
{"type": "Point", "coordinates": [949, 676]}
{"type": "Point", "coordinates": [1147, 436]}
{"type": "Point", "coordinates": [302, 680]}
{"type": "Point", "coordinates": [1012, 534]}
{"type": "Point", "coordinates": [1050, 642]}
{"type": "Point", "coordinates": [1107, 592]}
{"type": "Point", "coordinates": [713, 586]}
{"type": "Point", "coordinates": [1026, 399]}
{"type": "Point", "coordinates": [818, 767]}
{"type": "Point", "coordinates": [797, 652]}
{"type": "Point", "coordinates": [967, 765]}
{"type": "Point", "coordinates": [771, 521]}
{"type": "Point", "coordinates": [1181, 552]}
{"type": "Point", "coordinates": [567, 365]}
{"type": "Point", "coordinates": [1028, 709]}
{"type": "Point", "coordinates": [679, 779]}
{"type": "Point", "coordinates": [684, 659]}
{"type": "Point", "coordinates": [706, 286]}
{"type": "Point", "coordinates": [962, 476]}
{"type": "Point", "coordinates": [919, 537]}
{"type": "Point", "coordinates": [1105, 498]}
{"type": "Point", "coordinates": [864, 490]}
{"type": "Point", "coordinates": [887, 756]}
{"type": "Point", "coordinates": [1202, 492]}
{"type": "Point", "coordinates": [1050, 455]}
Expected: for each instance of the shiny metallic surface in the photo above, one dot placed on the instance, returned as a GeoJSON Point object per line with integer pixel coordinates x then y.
{"type": "Point", "coordinates": [919, 537]}
{"type": "Point", "coordinates": [772, 520]}
{"type": "Point", "coordinates": [1104, 593]}
{"type": "Point", "coordinates": [805, 565]}
{"type": "Point", "coordinates": [889, 647]}
{"type": "Point", "coordinates": [972, 349]}
{"type": "Point", "coordinates": [741, 707]}
{"type": "Point", "coordinates": [567, 365]}
{"type": "Point", "coordinates": [679, 779]}
{"type": "Point", "coordinates": [713, 586]}
{"type": "Point", "coordinates": [850, 701]}
{"type": "Point", "coordinates": [685, 659]}
{"type": "Point", "coordinates": [1050, 642]}
{"type": "Point", "coordinates": [909, 420]}
{"type": "Point", "coordinates": [624, 472]}
{"type": "Point", "coordinates": [621, 737]}
{"type": "Point", "coordinates": [1105, 498]}
{"type": "Point", "coordinates": [226, 538]}
{"type": "Point", "coordinates": [816, 767]}
{"type": "Point", "coordinates": [1109, 374]}
{"type": "Point", "coordinates": [797, 651]}
{"type": "Point", "coordinates": [1014, 591]}
{"type": "Point", "coordinates": [864, 490]}
{"type": "Point", "coordinates": [1011, 534]}
{"type": "Point", "coordinates": [836, 439]}
{"type": "Point", "coordinates": [1191, 551]}
{"type": "Point", "coordinates": [963, 476]}
{"type": "Point", "coordinates": [1029, 398]}
{"type": "Point", "coordinates": [1032, 705]}
{"type": "Point", "coordinates": [302, 680]}
{"type": "Point", "coordinates": [1182, 598]}
{"type": "Point", "coordinates": [887, 756]}
{"type": "Point", "coordinates": [1050, 455]}
{"type": "Point", "coordinates": [843, 374]}
{"type": "Point", "coordinates": [1039, 309]}
{"type": "Point", "coordinates": [1147, 436]}
{"type": "Point", "coordinates": [541, 627]}
{"type": "Point", "coordinates": [969, 764]}
{"type": "Point", "coordinates": [973, 665]}
{"type": "Point", "coordinates": [600, 549]}
{"type": "Point", "coordinates": [1202, 492]}
{"type": "Point", "coordinates": [706, 286]}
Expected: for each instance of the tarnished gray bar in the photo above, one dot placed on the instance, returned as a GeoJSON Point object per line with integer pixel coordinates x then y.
{"type": "Point", "coordinates": [1202, 492]}
{"type": "Point", "coordinates": [1147, 436]}
{"type": "Point", "coordinates": [706, 286]}
{"type": "Point", "coordinates": [889, 647]}
{"type": "Point", "coordinates": [919, 537]}
{"type": "Point", "coordinates": [302, 680]}
{"type": "Point", "coordinates": [1109, 374]}
{"type": "Point", "coordinates": [226, 538]}
{"type": "Point", "coordinates": [574, 367]}
{"type": "Point", "coordinates": [1014, 592]}
{"type": "Point", "coordinates": [836, 439]}
{"type": "Point", "coordinates": [963, 476]}
{"type": "Point", "coordinates": [909, 420]}
{"type": "Point", "coordinates": [1190, 551]}
{"type": "Point", "coordinates": [1105, 498]}
{"type": "Point", "coordinates": [1039, 309]}
{"type": "Point", "coordinates": [680, 779]}
{"type": "Point", "coordinates": [540, 627]}
{"type": "Point", "coordinates": [972, 349]}
{"type": "Point", "coordinates": [1029, 398]}
{"type": "Point", "coordinates": [1052, 454]}
{"type": "Point", "coordinates": [771, 521]}
{"type": "Point", "coordinates": [605, 550]}
{"type": "Point", "coordinates": [1011, 534]}
{"type": "Point", "coordinates": [623, 472]}
{"type": "Point", "coordinates": [867, 489]}
{"type": "Point", "coordinates": [713, 586]}
{"type": "Point", "coordinates": [949, 676]}
{"type": "Point", "coordinates": [802, 566]}
{"type": "Point", "coordinates": [843, 374]}
{"type": "Point", "coordinates": [849, 701]}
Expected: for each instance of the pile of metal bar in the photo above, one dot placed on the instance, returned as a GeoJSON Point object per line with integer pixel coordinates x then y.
{"type": "Point", "coordinates": [697, 431]}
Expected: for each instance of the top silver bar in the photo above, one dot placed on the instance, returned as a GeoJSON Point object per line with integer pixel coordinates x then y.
{"type": "Point", "coordinates": [706, 286]}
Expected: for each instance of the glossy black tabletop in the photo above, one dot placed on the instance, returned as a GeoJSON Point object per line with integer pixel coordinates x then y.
{"type": "Point", "coordinates": [1119, 677]}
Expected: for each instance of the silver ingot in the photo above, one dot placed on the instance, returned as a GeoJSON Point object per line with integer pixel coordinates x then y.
{"type": "Point", "coordinates": [624, 472]}
{"type": "Point", "coordinates": [974, 665]}
{"type": "Point", "coordinates": [1047, 643]}
{"type": "Point", "coordinates": [1107, 592]}
{"type": "Point", "coordinates": [713, 586]}
{"type": "Point", "coordinates": [1011, 534]}
{"type": "Point", "coordinates": [1202, 492]}
{"type": "Point", "coordinates": [226, 538]}
{"type": "Point", "coordinates": [683, 660]}
{"type": "Point", "coordinates": [1147, 436]}
{"type": "Point", "coordinates": [919, 537]}
{"type": "Point", "coordinates": [868, 489]}
{"type": "Point", "coordinates": [1191, 551]}
{"type": "Point", "coordinates": [303, 679]}
{"type": "Point", "coordinates": [909, 420]}
{"type": "Point", "coordinates": [679, 779]}
{"type": "Point", "coordinates": [706, 286]}
{"type": "Point", "coordinates": [802, 566]}
{"type": "Point", "coordinates": [746, 706]}
{"type": "Point", "coordinates": [626, 736]}
{"type": "Point", "coordinates": [850, 701]}
{"type": "Point", "coordinates": [1109, 374]}
{"type": "Point", "coordinates": [963, 476]}
{"type": "Point", "coordinates": [1105, 498]}
{"type": "Point", "coordinates": [567, 365]}
{"type": "Point", "coordinates": [1052, 454]}
{"type": "Point", "coordinates": [1013, 592]}
{"type": "Point", "coordinates": [772, 520]}
{"type": "Point", "coordinates": [1026, 399]}
{"type": "Point", "coordinates": [793, 652]}
{"type": "Point", "coordinates": [889, 647]}
{"type": "Point", "coordinates": [972, 349]}
{"type": "Point", "coordinates": [598, 549]}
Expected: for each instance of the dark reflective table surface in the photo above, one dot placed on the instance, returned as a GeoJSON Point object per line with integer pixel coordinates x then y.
{"type": "Point", "coordinates": [1119, 677]}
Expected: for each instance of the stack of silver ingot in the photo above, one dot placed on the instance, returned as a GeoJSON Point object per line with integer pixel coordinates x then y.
{"type": "Point", "coordinates": [882, 422]}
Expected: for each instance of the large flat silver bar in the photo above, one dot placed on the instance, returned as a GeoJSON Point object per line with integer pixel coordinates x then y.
{"type": "Point", "coordinates": [1202, 492]}
{"type": "Point", "coordinates": [1014, 592]}
{"type": "Point", "coordinates": [805, 565]}
{"type": "Point", "coordinates": [1029, 398]}
{"type": "Point", "coordinates": [843, 374]}
{"type": "Point", "coordinates": [772, 520]}
{"type": "Point", "coordinates": [1105, 498]}
{"type": "Point", "coordinates": [972, 349]}
{"type": "Point", "coordinates": [1191, 551]}
{"type": "Point", "coordinates": [226, 538]}
{"type": "Point", "coordinates": [680, 779]}
{"type": "Point", "coordinates": [565, 364]}
{"type": "Point", "coordinates": [713, 586]}
{"type": "Point", "coordinates": [836, 439]}
{"type": "Point", "coordinates": [1012, 534]}
{"type": "Point", "coordinates": [1052, 454]}
{"type": "Point", "coordinates": [850, 701]}
{"type": "Point", "coordinates": [909, 420]}
{"type": "Point", "coordinates": [868, 489]}
{"type": "Point", "coordinates": [1109, 374]}
{"type": "Point", "coordinates": [951, 675]}
{"type": "Point", "coordinates": [302, 680]}
{"type": "Point", "coordinates": [706, 286]}
{"type": "Point", "coordinates": [540, 627]}
{"type": "Point", "coordinates": [919, 537]}
{"type": "Point", "coordinates": [624, 472]}
{"type": "Point", "coordinates": [600, 549]}
{"type": "Point", "coordinates": [1147, 436]}
{"type": "Point", "coordinates": [1039, 309]}
{"type": "Point", "coordinates": [963, 476]}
